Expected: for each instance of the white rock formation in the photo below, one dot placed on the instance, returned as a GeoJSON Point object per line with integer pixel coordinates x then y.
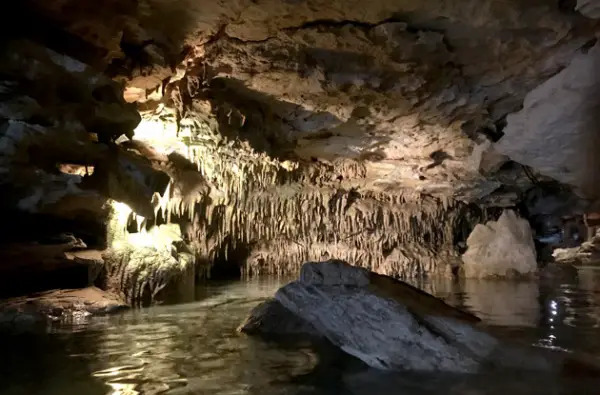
{"type": "Point", "coordinates": [589, 8]}
{"type": "Point", "coordinates": [556, 132]}
{"type": "Point", "coordinates": [588, 253]}
{"type": "Point", "coordinates": [502, 248]}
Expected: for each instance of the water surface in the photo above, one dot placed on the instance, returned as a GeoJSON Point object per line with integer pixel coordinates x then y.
{"type": "Point", "coordinates": [193, 348]}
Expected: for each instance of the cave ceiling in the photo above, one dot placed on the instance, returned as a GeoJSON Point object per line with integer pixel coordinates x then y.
{"type": "Point", "coordinates": [417, 93]}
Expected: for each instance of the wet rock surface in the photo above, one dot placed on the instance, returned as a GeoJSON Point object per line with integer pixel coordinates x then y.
{"type": "Point", "coordinates": [271, 320]}
{"type": "Point", "coordinates": [65, 305]}
{"type": "Point", "coordinates": [390, 325]}
{"type": "Point", "coordinates": [588, 253]}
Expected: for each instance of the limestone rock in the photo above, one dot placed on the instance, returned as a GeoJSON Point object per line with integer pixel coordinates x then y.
{"type": "Point", "coordinates": [587, 253]}
{"type": "Point", "coordinates": [486, 159]}
{"type": "Point", "coordinates": [589, 8]}
{"type": "Point", "coordinates": [391, 325]}
{"type": "Point", "coordinates": [358, 322]}
{"type": "Point", "coordinates": [129, 178]}
{"type": "Point", "coordinates": [555, 132]}
{"type": "Point", "coordinates": [67, 305]}
{"type": "Point", "coordinates": [33, 266]}
{"type": "Point", "coordinates": [388, 83]}
{"type": "Point", "coordinates": [333, 272]}
{"type": "Point", "coordinates": [91, 258]}
{"type": "Point", "coordinates": [339, 128]}
{"type": "Point", "coordinates": [502, 248]}
{"type": "Point", "coordinates": [55, 111]}
{"type": "Point", "coordinates": [146, 267]}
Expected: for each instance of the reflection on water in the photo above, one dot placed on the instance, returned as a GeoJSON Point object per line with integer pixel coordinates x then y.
{"type": "Point", "coordinates": [502, 303]}
{"type": "Point", "coordinates": [194, 348]}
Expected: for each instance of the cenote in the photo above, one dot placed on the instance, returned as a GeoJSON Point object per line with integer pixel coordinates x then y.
{"type": "Point", "coordinates": [300, 196]}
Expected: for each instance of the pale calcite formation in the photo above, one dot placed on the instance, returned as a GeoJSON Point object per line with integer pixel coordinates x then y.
{"type": "Point", "coordinates": [557, 130]}
{"type": "Point", "coordinates": [271, 215]}
{"type": "Point", "coordinates": [589, 8]}
{"type": "Point", "coordinates": [502, 248]}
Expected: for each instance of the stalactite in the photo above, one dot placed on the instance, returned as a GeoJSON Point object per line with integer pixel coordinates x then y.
{"type": "Point", "coordinates": [290, 212]}
{"type": "Point", "coordinates": [327, 227]}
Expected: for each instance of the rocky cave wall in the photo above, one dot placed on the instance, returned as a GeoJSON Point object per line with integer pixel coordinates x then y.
{"type": "Point", "coordinates": [274, 132]}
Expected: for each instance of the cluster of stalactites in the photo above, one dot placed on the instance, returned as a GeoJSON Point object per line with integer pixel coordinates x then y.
{"type": "Point", "coordinates": [401, 235]}
{"type": "Point", "coordinates": [286, 213]}
{"type": "Point", "coordinates": [408, 260]}
{"type": "Point", "coordinates": [235, 172]}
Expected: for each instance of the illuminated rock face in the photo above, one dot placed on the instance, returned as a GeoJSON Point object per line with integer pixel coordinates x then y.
{"type": "Point", "coordinates": [408, 89]}
{"type": "Point", "coordinates": [282, 213]}
{"type": "Point", "coordinates": [502, 248]}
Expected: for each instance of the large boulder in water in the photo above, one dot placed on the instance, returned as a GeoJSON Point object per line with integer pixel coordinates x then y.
{"type": "Point", "coordinates": [502, 248]}
{"type": "Point", "coordinates": [391, 325]}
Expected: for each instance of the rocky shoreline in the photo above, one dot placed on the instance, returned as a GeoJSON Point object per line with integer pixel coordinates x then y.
{"type": "Point", "coordinates": [73, 306]}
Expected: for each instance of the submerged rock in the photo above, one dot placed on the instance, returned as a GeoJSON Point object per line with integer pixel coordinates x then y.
{"type": "Point", "coordinates": [66, 305]}
{"type": "Point", "coordinates": [588, 253]}
{"type": "Point", "coordinates": [502, 248]}
{"type": "Point", "coordinates": [389, 324]}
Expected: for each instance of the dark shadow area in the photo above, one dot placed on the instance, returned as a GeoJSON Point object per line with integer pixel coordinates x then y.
{"type": "Point", "coordinates": [229, 260]}
{"type": "Point", "coordinates": [32, 252]}
{"type": "Point", "coordinates": [20, 226]}
{"type": "Point", "coordinates": [265, 118]}
{"type": "Point", "coordinates": [438, 158]}
{"type": "Point", "coordinates": [36, 363]}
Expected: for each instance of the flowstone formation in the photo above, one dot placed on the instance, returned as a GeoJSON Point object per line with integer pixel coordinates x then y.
{"type": "Point", "coordinates": [141, 264]}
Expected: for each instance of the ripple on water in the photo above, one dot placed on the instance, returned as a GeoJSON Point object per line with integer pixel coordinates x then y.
{"type": "Point", "coordinates": [194, 348]}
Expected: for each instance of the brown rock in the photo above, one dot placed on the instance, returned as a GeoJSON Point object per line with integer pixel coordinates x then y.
{"type": "Point", "coordinates": [59, 305]}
